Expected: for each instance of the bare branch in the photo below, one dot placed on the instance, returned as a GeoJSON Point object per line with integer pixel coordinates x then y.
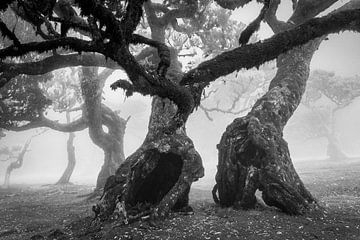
{"type": "Point", "coordinates": [271, 19]}
{"type": "Point", "coordinates": [254, 25]}
{"type": "Point", "coordinates": [232, 4]}
{"type": "Point", "coordinates": [207, 111]}
{"type": "Point", "coordinates": [163, 52]}
{"type": "Point", "coordinates": [40, 47]}
{"type": "Point", "coordinates": [307, 9]}
{"type": "Point", "coordinates": [56, 62]}
{"type": "Point", "coordinates": [9, 34]}
{"type": "Point", "coordinates": [76, 125]}
{"type": "Point", "coordinates": [253, 55]}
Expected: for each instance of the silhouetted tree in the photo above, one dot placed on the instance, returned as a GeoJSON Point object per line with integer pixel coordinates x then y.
{"type": "Point", "coordinates": [70, 148]}
{"type": "Point", "coordinates": [25, 101]}
{"type": "Point", "coordinates": [24, 107]}
{"type": "Point", "coordinates": [99, 115]}
{"type": "Point", "coordinates": [325, 94]}
{"type": "Point", "coordinates": [65, 94]}
{"type": "Point", "coordinates": [157, 177]}
{"type": "Point", "coordinates": [252, 152]}
{"type": "Point", "coordinates": [16, 155]}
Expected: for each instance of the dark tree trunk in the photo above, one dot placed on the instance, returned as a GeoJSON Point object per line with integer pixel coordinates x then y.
{"type": "Point", "coordinates": [16, 164]}
{"type": "Point", "coordinates": [159, 174]}
{"type": "Point", "coordinates": [114, 153]}
{"type": "Point", "coordinates": [98, 115]}
{"type": "Point", "coordinates": [252, 152]}
{"type": "Point", "coordinates": [156, 179]}
{"type": "Point", "coordinates": [65, 178]}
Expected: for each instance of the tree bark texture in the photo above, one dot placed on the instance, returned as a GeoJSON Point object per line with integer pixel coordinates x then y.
{"type": "Point", "coordinates": [111, 142]}
{"type": "Point", "coordinates": [252, 152]}
{"type": "Point", "coordinates": [65, 178]}
{"type": "Point", "coordinates": [157, 177]}
{"type": "Point", "coordinates": [159, 174]}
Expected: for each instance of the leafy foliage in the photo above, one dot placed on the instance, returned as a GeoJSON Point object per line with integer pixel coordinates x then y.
{"type": "Point", "coordinates": [213, 30]}
{"type": "Point", "coordinates": [22, 100]}
{"type": "Point", "coordinates": [341, 91]}
{"type": "Point", "coordinates": [23, 30]}
{"type": "Point", "coordinates": [4, 4]}
{"type": "Point", "coordinates": [63, 90]}
{"type": "Point", "coordinates": [325, 94]}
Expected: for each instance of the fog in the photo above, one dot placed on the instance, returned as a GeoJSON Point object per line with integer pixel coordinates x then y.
{"type": "Point", "coordinates": [48, 158]}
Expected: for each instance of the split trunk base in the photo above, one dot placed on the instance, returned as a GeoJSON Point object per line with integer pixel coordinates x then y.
{"type": "Point", "coordinates": [254, 157]}
{"type": "Point", "coordinates": [156, 179]}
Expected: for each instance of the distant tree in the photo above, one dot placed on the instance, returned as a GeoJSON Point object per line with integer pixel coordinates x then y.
{"type": "Point", "coordinates": [24, 105]}
{"type": "Point", "coordinates": [25, 101]}
{"type": "Point", "coordinates": [206, 35]}
{"type": "Point", "coordinates": [162, 170]}
{"type": "Point", "coordinates": [98, 115]}
{"type": "Point", "coordinates": [16, 156]}
{"type": "Point", "coordinates": [237, 93]}
{"type": "Point", "coordinates": [326, 94]}
{"type": "Point", "coordinates": [65, 177]}
{"type": "Point", "coordinates": [65, 93]}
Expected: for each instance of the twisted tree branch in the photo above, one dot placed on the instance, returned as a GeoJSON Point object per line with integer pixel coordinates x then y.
{"type": "Point", "coordinates": [253, 55]}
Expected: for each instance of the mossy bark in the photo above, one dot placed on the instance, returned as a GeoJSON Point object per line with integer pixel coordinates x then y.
{"type": "Point", "coordinates": [156, 179]}
{"type": "Point", "coordinates": [111, 142]}
{"type": "Point", "coordinates": [252, 152]}
{"type": "Point", "coordinates": [159, 174]}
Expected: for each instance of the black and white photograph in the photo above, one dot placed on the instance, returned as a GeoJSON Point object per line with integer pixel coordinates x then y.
{"type": "Point", "coordinates": [180, 119]}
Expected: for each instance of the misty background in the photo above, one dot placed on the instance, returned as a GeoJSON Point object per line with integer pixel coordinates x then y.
{"type": "Point", "coordinates": [47, 159]}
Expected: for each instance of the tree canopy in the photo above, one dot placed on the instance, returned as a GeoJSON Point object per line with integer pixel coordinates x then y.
{"type": "Point", "coordinates": [109, 33]}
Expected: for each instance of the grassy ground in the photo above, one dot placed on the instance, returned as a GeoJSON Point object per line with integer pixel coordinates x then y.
{"type": "Point", "coordinates": [58, 212]}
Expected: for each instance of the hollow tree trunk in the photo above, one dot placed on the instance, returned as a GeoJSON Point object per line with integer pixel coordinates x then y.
{"type": "Point", "coordinates": [157, 177]}
{"type": "Point", "coordinates": [252, 152]}
{"type": "Point", "coordinates": [65, 178]}
{"type": "Point", "coordinates": [16, 164]}
{"type": "Point", "coordinates": [98, 115]}
{"type": "Point", "coordinates": [159, 174]}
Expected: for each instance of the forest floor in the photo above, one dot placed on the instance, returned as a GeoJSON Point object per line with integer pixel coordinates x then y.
{"type": "Point", "coordinates": [57, 212]}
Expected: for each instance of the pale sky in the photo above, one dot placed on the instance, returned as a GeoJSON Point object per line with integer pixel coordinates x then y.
{"type": "Point", "coordinates": [341, 53]}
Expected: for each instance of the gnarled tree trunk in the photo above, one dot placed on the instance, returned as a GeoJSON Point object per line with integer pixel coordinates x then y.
{"type": "Point", "coordinates": [98, 115]}
{"type": "Point", "coordinates": [157, 177]}
{"type": "Point", "coordinates": [114, 152]}
{"type": "Point", "coordinates": [252, 152]}
{"type": "Point", "coordinates": [65, 177]}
